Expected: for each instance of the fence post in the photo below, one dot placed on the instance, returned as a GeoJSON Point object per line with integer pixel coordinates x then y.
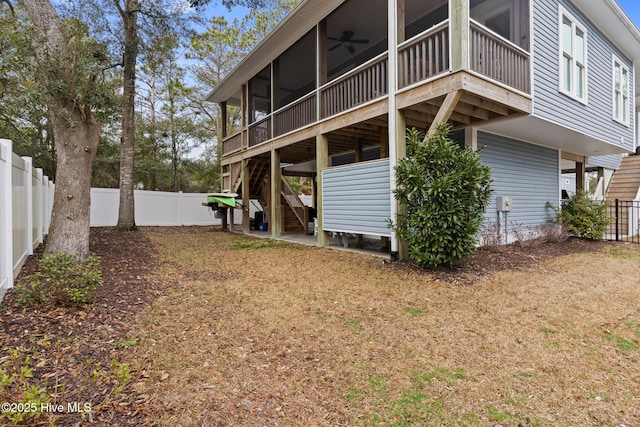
{"type": "Point", "coordinates": [180, 207]}
{"type": "Point", "coordinates": [6, 216]}
{"type": "Point", "coordinates": [40, 207]}
{"type": "Point", "coordinates": [28, 174]}
{"type": "Point", "coordinates": [617, 221]}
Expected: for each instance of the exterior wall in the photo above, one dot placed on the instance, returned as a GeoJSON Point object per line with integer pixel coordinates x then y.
{"type": "Point", "coordinates": [527, 173]}
{"type": "Point", "coordinates": [596, 117]}
{"type": "Point", "coordinates": [610, 162]}
{"type": "Point", "coordinates": [356, 198]}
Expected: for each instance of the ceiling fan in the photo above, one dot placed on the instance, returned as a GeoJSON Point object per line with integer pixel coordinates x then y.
{"type": "Point", "coordinates": [348, 41]}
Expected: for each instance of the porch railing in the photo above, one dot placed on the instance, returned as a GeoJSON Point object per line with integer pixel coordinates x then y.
{"type": "Point", "coordinates": [232, 143]}
{"type": "Point", "coordinates": [260, 131]}
{"type": "Point", "coordinates": [424, 56]}
{"type": "Point", "coordinates": [421, 58]}
{"type": "Point", "coordinates": [499, 59]}
{"type": "Point", "coordinates": [361, 85]}
{"type": "Point", "coordinates": [296, 115]}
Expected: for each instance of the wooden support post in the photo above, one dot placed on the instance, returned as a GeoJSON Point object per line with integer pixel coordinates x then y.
{"type": "Point", "coordinates": [384, 142]}
{"type": "Point", "coordinates": [232, 222]}
{"type": "Point", "coordinates": [246, 220]}
{"type": "Point", "coordinates": [460, 40]}
{"type": "Point", "coordinates": [401, 33]}
{"type": "Point", "coordinates": [275, 212]}
{"type": "Point", "coordinates": [321, 64]}
{"type": "Point", "coordinates": [444, 112]}
{"type": "Point", "coordinates": [223, 118]}
{"type": "Point", "coordinates": [401, 152]}
{"type": "Point", "coordinates": [579, 176]}
{"type": "Point", "coordinates": [384, 153]}
{"type": "Point", "coordinates": [358, 150]}
{"type": "Point", "coordinates": [322, 162]}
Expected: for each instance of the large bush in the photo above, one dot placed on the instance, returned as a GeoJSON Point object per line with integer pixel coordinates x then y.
{"type": "Point", "coordinates": [582, 216]}
{"type": "Point", "coordinates": [442, 190]}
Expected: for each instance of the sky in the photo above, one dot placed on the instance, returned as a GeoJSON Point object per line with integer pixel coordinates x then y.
{"type": "Point", "coordinates": [632, 8]}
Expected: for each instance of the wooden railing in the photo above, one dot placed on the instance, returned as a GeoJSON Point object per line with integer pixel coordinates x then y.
{"type": "Point", "coordinates": [363, 84]}
{"type": "Point", "coordinates": [499, 59]}
{"type": "Point", "coordinates": [298, 208]}
{"type": "Point", "coordinates": [232, 143]}
{"type": "Point", "coordinates": [296, 115]}
{"type": "Point", "coordinates": [424, 56]}
{"type": "Point", "coordinates": [235, 169]}
{"type": "Point", "coordinates": [260, 131]}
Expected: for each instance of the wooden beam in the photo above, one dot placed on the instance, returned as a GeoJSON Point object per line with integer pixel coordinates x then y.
{"type": "Point", "coordinates": [246, 177]}
{"type": "Point", "coordinates": [447, 108]}
{"type": "Point", "coordinates": [322, 162]}
{"type": "Point", "coordinates": [275, 208]}
{"type": "Point", "coordinates": [566, 155]}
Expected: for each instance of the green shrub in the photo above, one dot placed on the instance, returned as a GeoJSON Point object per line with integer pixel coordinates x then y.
{"type": "Point", "coordinates": [582, 216]}
{"type": "Point", "coordinates": [63, 279]}
{"type": "Point", "coordinates": [442, 190]}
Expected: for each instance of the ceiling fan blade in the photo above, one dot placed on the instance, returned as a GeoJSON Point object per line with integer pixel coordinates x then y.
{"type": "Point", "coordinates": [333, 38]}
{"type": "Point", "coordinates": [350, 48]}
{"type": "Point", "coordinates": [335, 47]}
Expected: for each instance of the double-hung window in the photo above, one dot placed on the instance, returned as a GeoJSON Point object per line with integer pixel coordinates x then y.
{"type": "Point", "coordinates": [620, 92]}
{"type": "Point", "coordinates": [573, 57]}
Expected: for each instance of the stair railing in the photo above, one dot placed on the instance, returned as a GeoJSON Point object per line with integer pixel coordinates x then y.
{"type": "Point", "coordinates": [296, 205]}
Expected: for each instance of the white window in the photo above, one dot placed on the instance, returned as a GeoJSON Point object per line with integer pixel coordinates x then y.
{"type": "Point", "coordinates": [620, 92]}
{"type": "Point", "coordinates": [573, 57]}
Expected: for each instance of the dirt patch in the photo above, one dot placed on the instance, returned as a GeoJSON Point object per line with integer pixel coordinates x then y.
{"type": "Point", "coordinates": [194, 326]}
{"type": "Point", "coordinates": [81, 355]}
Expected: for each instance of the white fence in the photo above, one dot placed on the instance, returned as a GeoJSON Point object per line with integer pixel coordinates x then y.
{"type": "Point", "coordinates": [26, 199]}
{"type": "Point", "coordinates": [155, 208]}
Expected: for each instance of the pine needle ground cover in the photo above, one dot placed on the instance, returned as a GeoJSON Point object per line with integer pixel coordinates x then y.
{"type": "Point", "coordinates": [251, 332]}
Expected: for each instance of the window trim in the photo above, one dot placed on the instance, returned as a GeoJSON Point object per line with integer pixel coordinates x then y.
{"type": "Point", "coordinates": [627, 109]}
{"type": "Point", "coordinates": [575, 24]}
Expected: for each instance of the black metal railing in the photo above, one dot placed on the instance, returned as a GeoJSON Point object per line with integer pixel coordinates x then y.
{"type": "Point", "coordinates": [624, 220]}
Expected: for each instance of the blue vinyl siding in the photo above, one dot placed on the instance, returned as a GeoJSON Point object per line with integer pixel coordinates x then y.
{"type": "Point", "coordinates": [596, 118]}
{"type": "Point", "coordinates": [357, 199]}
{"type": "Point", "coordinates": [527, 173]}
{"type": "Point", "coordinates": [611, 161]}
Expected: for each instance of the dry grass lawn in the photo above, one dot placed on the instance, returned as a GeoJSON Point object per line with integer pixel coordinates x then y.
{"type": "Point", "coordinates": [258, 333]}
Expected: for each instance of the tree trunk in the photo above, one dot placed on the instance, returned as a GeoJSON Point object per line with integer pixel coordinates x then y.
{"type": "Point", "coordinates": [76, 149]}
{"type": "Point", "coordinates": [76, 144]}
{"type": "Point", "coordinates": [126, 212]}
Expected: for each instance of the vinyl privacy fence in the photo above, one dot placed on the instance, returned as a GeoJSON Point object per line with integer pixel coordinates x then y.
{"type": "Point", "coordinates": [26, 199]}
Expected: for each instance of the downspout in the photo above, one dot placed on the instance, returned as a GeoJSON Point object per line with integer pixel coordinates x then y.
{"type": "Point", "coordinates": [393, 79]}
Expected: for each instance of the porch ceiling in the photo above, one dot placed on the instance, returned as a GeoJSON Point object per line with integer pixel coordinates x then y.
{"type": "Point", "coordinates": [541, 132]}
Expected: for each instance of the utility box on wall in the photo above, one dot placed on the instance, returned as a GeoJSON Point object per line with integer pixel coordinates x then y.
{"type": "Point", "coordinates": [504, 203]}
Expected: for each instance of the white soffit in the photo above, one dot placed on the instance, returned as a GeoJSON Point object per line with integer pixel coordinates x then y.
{"type": "Point", "coordinates": [542, 132]}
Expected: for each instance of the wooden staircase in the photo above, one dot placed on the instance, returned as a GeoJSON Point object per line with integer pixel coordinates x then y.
{"type": "Point", "coordinates": [294, 212]}
{"type": "Point", "coordinates": [626, 180]}
{"type": "Point", "coordinates": [624, 187]}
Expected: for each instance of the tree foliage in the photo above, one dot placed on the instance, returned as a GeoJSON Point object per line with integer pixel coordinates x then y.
{"type": "Point", "coordinates": [442, 190]}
